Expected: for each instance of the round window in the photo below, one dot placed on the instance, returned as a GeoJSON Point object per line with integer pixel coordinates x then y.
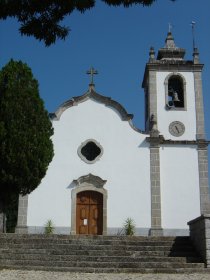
{"type": "Point", "coordinates": [90, 151]}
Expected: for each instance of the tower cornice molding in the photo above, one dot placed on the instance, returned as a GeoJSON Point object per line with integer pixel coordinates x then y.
{"type": "Point", "coordinates": [168, 66]}
{"type": "Point", "coordinates": [157, 64]}
{"type": "Point", "coordinates": [160, 140]}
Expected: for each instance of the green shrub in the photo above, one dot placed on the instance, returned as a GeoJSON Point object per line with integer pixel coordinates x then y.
{"type": "Point", "coordinates": [49, 227]}
{"type": "Point", "coordinates": [129, 227]}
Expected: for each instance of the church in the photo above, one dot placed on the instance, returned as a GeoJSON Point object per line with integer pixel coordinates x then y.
{"type": "Point", "coordinates": [106, 170]}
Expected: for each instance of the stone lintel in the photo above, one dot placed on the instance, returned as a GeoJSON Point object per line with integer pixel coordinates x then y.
{"type": "Point", "coordinates": [160, 140]}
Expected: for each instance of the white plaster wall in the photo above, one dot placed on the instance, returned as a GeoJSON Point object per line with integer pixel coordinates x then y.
{"type": "Point", "coordinates": [179, 185]}
{"type": "Point", "coordinates": [165, 117]}
{"type": "Point", "coordinates": [125, 164]}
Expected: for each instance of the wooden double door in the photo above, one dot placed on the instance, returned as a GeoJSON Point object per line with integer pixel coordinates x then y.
{"type": "Point", "coordinates": [89, 213]}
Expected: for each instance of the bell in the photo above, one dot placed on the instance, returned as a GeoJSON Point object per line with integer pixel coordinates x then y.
{"type": "Point", "coordinates": [175, 97]}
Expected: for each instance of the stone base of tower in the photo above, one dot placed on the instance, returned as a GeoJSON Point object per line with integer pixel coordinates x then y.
{"type": "Point", "coordinates": [200, 235]}
{"type": "Point", "coordinates": [156, 232]}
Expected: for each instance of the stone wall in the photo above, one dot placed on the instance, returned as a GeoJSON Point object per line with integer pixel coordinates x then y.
{"type": "Point", "coordinates": [200, 235]}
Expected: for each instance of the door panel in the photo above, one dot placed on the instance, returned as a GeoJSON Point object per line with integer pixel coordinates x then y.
{"type": "Point", "coordinates": [95, 211]}
{"type": "Point", "coordinates": [89, 213]}
{"type": "Point", "coordinates": [96, 198]}
{"type": "Point", "coordinates": [83, 213]}
{"type": "Point", "coordinates": [83, 198]}
{"type": "Point", "coordinates": [96, 216]}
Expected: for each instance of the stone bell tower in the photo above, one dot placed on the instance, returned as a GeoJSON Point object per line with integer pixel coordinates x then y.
{"type": "Point", "coordinates": [174, 117]}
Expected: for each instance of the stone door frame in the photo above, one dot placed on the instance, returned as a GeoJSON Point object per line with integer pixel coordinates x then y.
{"type": "Point", "coordinates": [88, 183]}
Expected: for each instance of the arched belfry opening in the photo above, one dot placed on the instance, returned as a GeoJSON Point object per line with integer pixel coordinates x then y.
{"type": "Point", "coordinates": [89, 206]}
{"type": "Point", "coordinates": [176, 92]}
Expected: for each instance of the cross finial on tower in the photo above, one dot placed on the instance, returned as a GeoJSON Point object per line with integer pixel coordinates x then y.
{"type": "Point", "coordinates": [92, 72]}
{"type": "Point", "coordinates": [193, 33]}
{"type": "Point", "coordinates": [170, 27]}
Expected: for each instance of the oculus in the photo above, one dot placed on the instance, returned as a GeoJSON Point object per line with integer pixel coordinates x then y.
{"type": "Point", "coordinates": [90, 151]}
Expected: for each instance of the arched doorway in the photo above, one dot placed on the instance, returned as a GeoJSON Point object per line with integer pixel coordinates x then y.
{"type": "Point", "coordinates": [89, 206]}
{"type": "Point", "coordinates": [89, 213]}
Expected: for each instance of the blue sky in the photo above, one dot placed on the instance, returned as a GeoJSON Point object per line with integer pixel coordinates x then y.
{"type": "Point", "coordinates": [116, 42]}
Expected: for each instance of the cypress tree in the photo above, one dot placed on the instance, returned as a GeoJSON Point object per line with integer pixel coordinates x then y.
{"type": "Point", "coordinates": [25, 130]}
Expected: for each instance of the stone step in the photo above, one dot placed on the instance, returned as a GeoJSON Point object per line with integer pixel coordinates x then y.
{"type": "Point", "coordinates": [95, 242]}
{"type": "Point", "coordinates": [112, 270]}
{"type": "Point", "coordinates": [95, 250]}
{"type": "Point", "coordinates": [98, 253]}
{"type": "Point", "coordinates": [87, 246]}
{"type": "Point", "coordinates": [50, 242]}
{"type": "Point", "coordinates": [87, 264]}
{"type": "Point", "coordinates": [87, 242]}
{"type": "Point", "coordinates": [91, 252]}
{"type": "Point", "coordinates": [8, 236]}
{"type": "Point", "coordinates": [82, 258]}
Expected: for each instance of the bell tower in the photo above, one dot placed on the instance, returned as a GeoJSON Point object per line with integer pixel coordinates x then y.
{"type": "Point", "coordinates": [173, 92]}
{"type": "Point", "coordinates": [174, 118]}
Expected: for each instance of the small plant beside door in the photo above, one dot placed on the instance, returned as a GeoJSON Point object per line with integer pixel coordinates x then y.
{"type": "Point", "coordinates": [49, 227]}
{"type": "Point", "coordinates": [129, 227]}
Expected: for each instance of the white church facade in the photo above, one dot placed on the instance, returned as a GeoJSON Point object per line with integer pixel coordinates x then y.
{"type": "Point", "coordinates": [105, 170]}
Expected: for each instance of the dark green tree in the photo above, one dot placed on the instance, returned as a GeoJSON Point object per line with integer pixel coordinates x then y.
{"type": "Point", "coordinates": [25, 130]}
{"type": "Point", "coordinates": [41, 19]}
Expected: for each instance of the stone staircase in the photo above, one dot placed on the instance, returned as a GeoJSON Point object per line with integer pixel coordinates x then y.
{"type": "Point", "coordinates": [99, 254]}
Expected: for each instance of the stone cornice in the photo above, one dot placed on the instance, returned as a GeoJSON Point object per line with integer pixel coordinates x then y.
{"type": "Point", "coordinates": [160, 140]}
{"type": "Point", "coordinates": [107, 101]}
{"type": "Point", "coordinates": [90, 179]}
{"type": "Point", "coordinates": [202, 144]}
{"type": "Point", "coordinates": [174, 65]}
{"type": "Point", "coordinates": [170, 65]}
{"type": "Point", "coordinates": [91, 94]}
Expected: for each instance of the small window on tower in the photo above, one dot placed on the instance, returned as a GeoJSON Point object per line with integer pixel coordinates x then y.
{"type": "Point", "coordinates": [175, 92]}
